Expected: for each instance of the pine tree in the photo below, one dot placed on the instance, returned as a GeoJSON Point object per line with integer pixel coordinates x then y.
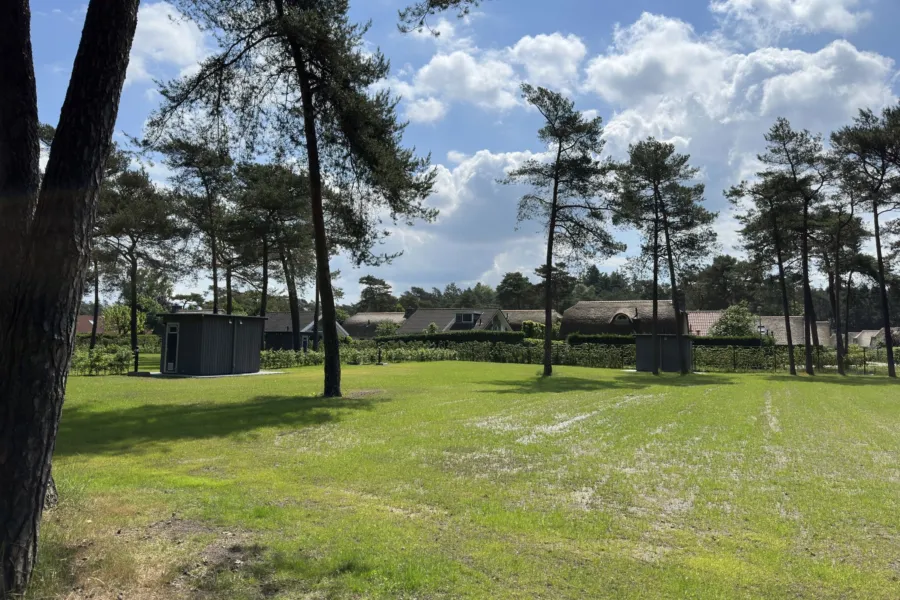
{"type": "Point", "coordinates": [569, 189]}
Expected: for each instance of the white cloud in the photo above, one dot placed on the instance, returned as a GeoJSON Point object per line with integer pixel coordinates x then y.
{"type": "Point", "coordinates": [444, 35]}
{"type": "Point", "coordinates": [549, 60]}
{"type": "Point", "coordinates": [163, 37]}
{"type": "Point", "coordinates": [462, 73]}
{"type": "Point", "coordinates": [766, 20]}
{"type": "Point", "coordinates": [425, 110]}
{"type": "Point", "coordinates": [716, 102]}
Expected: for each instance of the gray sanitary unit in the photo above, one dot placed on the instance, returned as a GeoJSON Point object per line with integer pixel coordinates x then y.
{"type": "Point", "coordinates": [203, 344]}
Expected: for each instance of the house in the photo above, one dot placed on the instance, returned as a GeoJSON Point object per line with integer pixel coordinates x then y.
{"type": "Point", "coordinates": [864, 338]}
{"type": "Point", "coordinates": [363, 326]}
{"type": "Point", "coordinates": [878, 339]}
{"type": "Point", "coordinates": [701, 321]}
{"type": "Point", "coordinates": [624, 317]}
{"type": "Point", "coordinates": [455, 319]}
{"type": "Point", "coordinates": [773, 326]}
{"type": "Point", "coordinates": [86, 322]}
{"type": "Point", "coordinates": [279, 336]}
{"type": "Point", "coordinates": [517, 317]}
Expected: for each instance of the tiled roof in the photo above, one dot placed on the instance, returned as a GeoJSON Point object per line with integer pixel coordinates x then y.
{"type": "Point", "coordinates": [86, 322]}
{"type": "Point", "coordinates": [445, 319]}
{"type": "Point", "coordinates": [363, 325]}
{"type": "Point", "coordinates": [701, 321]}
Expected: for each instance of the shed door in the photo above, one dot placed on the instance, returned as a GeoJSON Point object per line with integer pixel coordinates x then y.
{"type": "Point", "coordinates": [171, 347]}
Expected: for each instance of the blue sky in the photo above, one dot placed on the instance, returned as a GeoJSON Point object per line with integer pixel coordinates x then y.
{"type": "Point", "coordinates": [709, 75]}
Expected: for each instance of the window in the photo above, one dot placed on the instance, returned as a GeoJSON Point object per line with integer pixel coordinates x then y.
{"type": "Point", "coordinates": [459, 317]}
{"type": "Point", "coordinates": [467, 318]}
{"type": "Point", "coordinates": [621, 319]}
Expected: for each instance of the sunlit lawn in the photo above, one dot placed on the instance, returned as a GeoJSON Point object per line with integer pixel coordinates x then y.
{"type": "Point", "coordinates": [465, 480]}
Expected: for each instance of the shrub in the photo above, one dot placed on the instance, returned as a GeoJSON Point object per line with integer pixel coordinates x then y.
{"type": "Point", "coordinates": [103, 360]}
{"type": "Point", "coordinates": [736, 321]}
{"type": "Point", "coordinates": [745, 341]}
{"type": "Point", "coordinates": [386, 328]}
{"type": "Point", "coordinates": [147, 343]}
{"type": "Point", "coordinates": [533, 330]}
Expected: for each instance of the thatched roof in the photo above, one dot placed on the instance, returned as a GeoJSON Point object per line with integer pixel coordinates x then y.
{"type": "Point", "coordinates": [363, 325]}
{"type": "Point", "coordinates": [634, 316]}
{"type": "Point", "coordinates": [517, 317]}
{"type": "Point", "coordinates": [775, 328]}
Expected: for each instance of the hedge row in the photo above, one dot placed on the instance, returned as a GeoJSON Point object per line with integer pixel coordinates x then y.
{"type": "Point", "coordinates": [578, 339]}
{"type": "Point", "coordinates": [147, 343]}
{"type": "Point", "coordinates": [480, 335]}
{"type": "Point", "coordinates": [746, 342]}
{"type": "Point", "coordinates": [283, 359]}
{"type": "Point", "coordinates": [103, 360]}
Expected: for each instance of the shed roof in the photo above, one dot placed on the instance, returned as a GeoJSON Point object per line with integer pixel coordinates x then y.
{"type": "Point", "coordinates": [445, 319]}
{"type": "Point", "coordinates": [596, 317]}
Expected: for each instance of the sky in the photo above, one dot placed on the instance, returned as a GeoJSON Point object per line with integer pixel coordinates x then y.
{"type": "Point", "coordinates": [710, 76]}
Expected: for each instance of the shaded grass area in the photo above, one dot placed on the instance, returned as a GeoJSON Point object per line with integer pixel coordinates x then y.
{"type": "Point", "coordinates": [472, 480]}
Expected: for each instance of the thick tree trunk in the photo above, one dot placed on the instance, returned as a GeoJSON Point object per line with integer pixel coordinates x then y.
{"type": "Point", "coordinates": [40, 295]}
{"type": "Point", "coordinates": [785, 302]}
{"type": "Point", "coordinates": [807, 293]}
{"type": "Point", "coordinates": [683, 366]}
{"type": "Point", "coordinates": [836, 310]}
{"type": "Point", "coordinates": [814, 320]}
{"type": "Point", "coordinates": [833, 302]}
{"type": "Point", "coordinates": [882, 289]}
{"type": "Point", "coordinates": [96, 305]}
{"type": "Point", "coordinates": [332, 387]}
{"type": "Point", "coordinates": [315, 330]}
{"type": "Point", "coordinates": [132, 300]}
{"type": "Point", "coordinates": [228, 305]}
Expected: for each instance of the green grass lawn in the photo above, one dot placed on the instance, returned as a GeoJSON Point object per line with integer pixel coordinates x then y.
{"type": "Point", "coordinates": [476, 480]}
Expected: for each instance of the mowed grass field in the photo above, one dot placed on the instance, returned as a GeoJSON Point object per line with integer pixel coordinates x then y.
{"type": "Point", "coordinates": [475, 480]}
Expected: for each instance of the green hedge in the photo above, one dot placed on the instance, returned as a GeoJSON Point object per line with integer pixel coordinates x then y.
{"type": "Point", "coordinates": [103, 360]}
{"type": "Point", "coordinates": [578, 339]}
{"type": "Point", "coordinates": [147, 343]}
{"type": "Point", "coordinates": [747, 342]}
{"type": "Point", "coordinates": [479, 335]}
{"type": "Point", "coordinates": [283, 359]}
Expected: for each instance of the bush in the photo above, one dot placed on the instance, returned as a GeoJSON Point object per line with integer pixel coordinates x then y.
{"type": "Point", "coordinates": [578, 339]}
{"type": "Point", "coordinates": [533, 330]}
{"type": "Point", "coordinates": [723, 340]}
{"type": "Point", "coordinates": [736, 321]}
{"type": "Point", "coordinates": [103, 360]}
{"type": "Point", "coordinates": [480, 335]}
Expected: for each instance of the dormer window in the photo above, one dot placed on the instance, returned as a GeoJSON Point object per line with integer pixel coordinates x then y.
{"type": "Point", "coordinates": [621, 319]}
{"type": "Point", "coordinates": [464, 317]}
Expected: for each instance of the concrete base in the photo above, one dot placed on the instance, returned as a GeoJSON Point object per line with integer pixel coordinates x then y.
{"type": "Point", "coordinates": [158, 375]}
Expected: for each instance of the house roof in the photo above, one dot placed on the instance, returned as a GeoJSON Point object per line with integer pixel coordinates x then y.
{"type": "Point", "coordinates": [445, 319]}
{"type": "Point", "coordinates": [775, 327]}
{"type": "Point", "coordinates": [517, 317]}
{"type": "Point", "coordinates": [281, 322]}
{"type": "Point", "coordinates": [879, 336]}
{"type": "Point", "coordinates": [701, 321]}
{"type": "Point", "coordinates": [593, 317]}
{"type": "Point", "coordinates": [864, 337]}
{"type": "Point", "coordinates": [364, 324]}
{"type": "Point", "coordinates": [85, 324]}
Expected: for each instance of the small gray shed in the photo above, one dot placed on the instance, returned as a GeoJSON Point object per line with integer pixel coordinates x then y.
{"type": "Point", "coordinates": [668, 353]}
{"type": "Point", "coordinates": [207, 344]}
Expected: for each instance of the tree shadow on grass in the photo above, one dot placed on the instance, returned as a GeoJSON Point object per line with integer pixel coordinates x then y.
{"type": "Point", "coordinates": [84, 431]}
{"type": "Point", "coordinates": [558, 384]}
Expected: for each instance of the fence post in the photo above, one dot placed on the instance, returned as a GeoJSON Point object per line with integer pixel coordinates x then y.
{"type": "Point", "coordinates": [864, 360]}
{"type": "Point", "coordinates": [734, 358]}
{"type": "Point", "coordinates": [137, 353]}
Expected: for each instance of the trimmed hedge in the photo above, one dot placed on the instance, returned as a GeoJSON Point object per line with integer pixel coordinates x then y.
{"type": "Point", "coordinates": [103, 360]}
{"type": "Point", "coordinates": [744, 342]}
{"type": "Point", "coordinates": [458, 337]}
{"type": "Point", "coordinates": [147, 343]}
{"type": "Point", "coordinates": [578, 339]}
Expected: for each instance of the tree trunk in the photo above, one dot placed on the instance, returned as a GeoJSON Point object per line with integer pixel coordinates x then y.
{"type": "Point", "coordinates": [45, 263]}
{"type": "Point", "coordinates": [132, 300]}
{"type": "Point", "coordinates": [655, 332]}
{"type": "Point", "coordinates": [836, 310]}
{"type": "Point", "coordinates": [683, 366]}
{"type": "Point", "coordinates": [785, 302]}
{"type": "Point", "coordinates": [315, 330]}
{"type": "Point", "coordinates": [293, 302]}
{"type": "Point", "coordinates": [228, 305]}
{"type": "Point", "coordinates": [332, 386]}
{"type": "Point", "coordinates": [832, 300]}
{"type": "Point", "coordinates": [882, 288]}
{"type": "Point", "coordinates": [96, 305]}
{"type": "Point", "coordinates": [264, 295]}
{"type": "Point", "coordinates": [548, 275]}
{"type": "Point", "coordinates": [847, 310]}
{"type": "Point", "coordinates": [807, 293]}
